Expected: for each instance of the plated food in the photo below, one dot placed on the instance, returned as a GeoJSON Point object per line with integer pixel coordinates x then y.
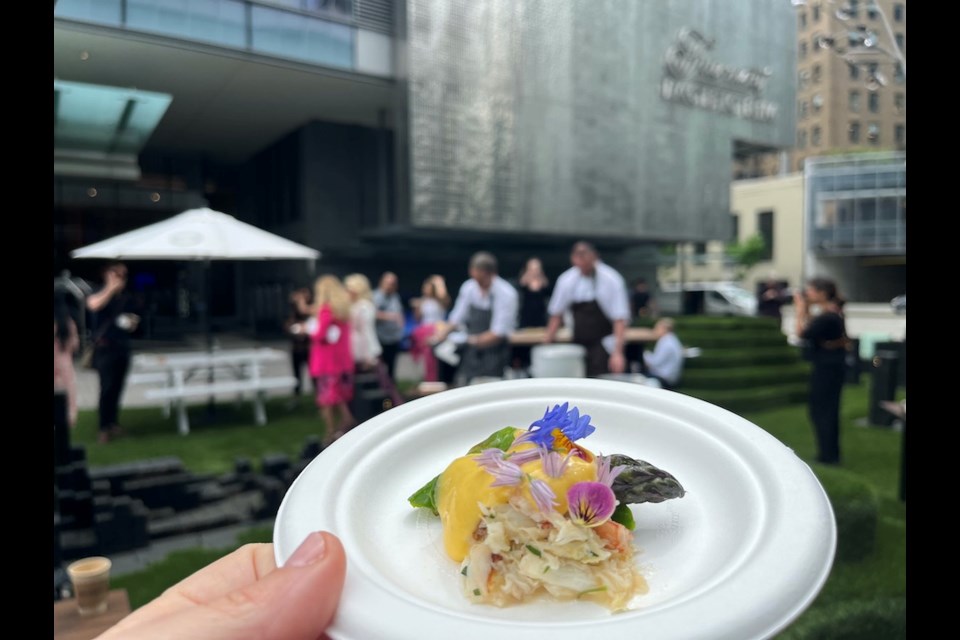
{"type": "Point", "coordinates": [531, 511]}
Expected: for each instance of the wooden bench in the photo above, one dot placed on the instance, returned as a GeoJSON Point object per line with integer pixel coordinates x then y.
{"type": "Point", "coordinates": [177, 392]}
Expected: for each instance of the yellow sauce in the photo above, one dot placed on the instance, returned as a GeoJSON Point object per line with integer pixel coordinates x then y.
{"type": "Point", "coordinates": [464, 485]}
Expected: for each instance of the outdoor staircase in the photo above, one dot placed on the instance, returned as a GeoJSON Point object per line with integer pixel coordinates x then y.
{"type": "Point", "coordinates": [746, 364]}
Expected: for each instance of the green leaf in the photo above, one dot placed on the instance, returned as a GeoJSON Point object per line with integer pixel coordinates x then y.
{"type": "Point", "coordinates": [426, 497]}
{"type": "Point", "coordinates": [532, 549]}
{"type": "Point", "coordinates": [623, 515]}
{"type": "Point", "coordinates": [501, 439]}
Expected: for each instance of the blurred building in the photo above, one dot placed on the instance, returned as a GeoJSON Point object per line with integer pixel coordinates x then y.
{"type": "Point", "coordinates": [405, 134]}
{"type": "Point", "coordinates": [850, 98]}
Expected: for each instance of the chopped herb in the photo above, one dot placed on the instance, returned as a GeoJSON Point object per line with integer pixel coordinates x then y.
{"type": "Point", "coordinates": [594, 554]}
{"type": "Point", "coordinates": [476, 592]}
{"type": "Point", "coordinates": [546, 568]}
{"type": "Point", "coordinates": [532, 549]}
{"type": "Point", "coordinates": [463, 571]}
{"type": "Point", "coordinates": [597, 590]}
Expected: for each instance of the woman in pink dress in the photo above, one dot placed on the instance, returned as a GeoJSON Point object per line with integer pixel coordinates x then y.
{"type": "Point", "coordinates": [331, 360]}
{"type": "Point", "coordinates": [430, 309]}
{"type": "Point", "coordinates": [66, 341]}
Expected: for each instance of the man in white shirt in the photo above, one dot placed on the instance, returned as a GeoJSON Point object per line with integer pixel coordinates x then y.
{"type": "Point", "coordinates": [486, 310]}
{"type": "Point", "coordinates": [597, 296]}
{"type": "Point", "coordinates": [665, 362]}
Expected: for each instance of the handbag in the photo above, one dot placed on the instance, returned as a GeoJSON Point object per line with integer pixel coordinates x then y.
{"type": "Point", "coordinates": [86, 357]}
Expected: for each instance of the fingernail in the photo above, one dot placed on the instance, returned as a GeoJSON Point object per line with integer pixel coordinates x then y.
{"type": "Point", "coordinates": [310, 550]}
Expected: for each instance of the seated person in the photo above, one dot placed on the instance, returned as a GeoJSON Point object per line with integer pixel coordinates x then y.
{"type": "Point", "coordinates": [665, 362]}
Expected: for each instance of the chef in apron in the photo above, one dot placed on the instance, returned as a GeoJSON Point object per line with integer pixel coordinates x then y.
{"type": "Point", "coordinates": [596, 296]}
{"type": "Point", "coordinates": [486, 311]}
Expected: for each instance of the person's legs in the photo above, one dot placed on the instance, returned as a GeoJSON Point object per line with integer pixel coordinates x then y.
{"type": "Point", "coordinates": [389, 357]}
{"type": "Point", "coordinates": [826, 387]}
{"type": "Point", "coordinates": [298, 358]}
{"type": "Point", "coordinates": [112, 367]}
{"type": "Point", "coordinates": [597, 360]}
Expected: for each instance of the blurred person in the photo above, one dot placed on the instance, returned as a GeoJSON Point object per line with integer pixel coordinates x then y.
{"type": "Point", "coordinates": [486, 310]}
{"type": "Point", "coordinates": [642, 303]}
{"type": "Point", "coordinates": [820, 324]}
{"type": "Point", "coordinates": [246, 595]}
{"type": "Point", "coordinates": [665, 362]}
{"type": "Point", "coordinates": [390, 319]}
{"type": "Point", "coordinates": [430, 310]}
{"type": "Point", "coordinates": [112, 324]}
{"type": "Point", "coordinates": [364, 344]}
{"type": "Point", "coordinates": [66, 341]}
{"type": "Point", "coordinates": [771, 297]}
{"type": "Point", "coordinates": [296, 327]}
{"type": "Point", "coordinates": [331, 360]}
{"type": "Point", "coordinates": [534, 290]}
{"type": "Point", "coordinates": [596, 295]}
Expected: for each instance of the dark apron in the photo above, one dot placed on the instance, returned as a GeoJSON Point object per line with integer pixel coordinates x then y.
{"type": "Point", "coordinates": [590, 327]}
{"type": "Point", "coordinates": [476, 361]}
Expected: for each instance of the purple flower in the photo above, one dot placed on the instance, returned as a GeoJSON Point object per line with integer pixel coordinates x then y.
{"type": "Point", "coordinates": [568, 422]}
{"type": "Point", "coordinates": [504, 472]}
{"type": "Point", "coordinates": [605, 474]}
{"type": "Point", "coordinates": [553, 463]}
{"type": "Point", "coordinates": [591, 503]}
{"type": "Point", "coordinates": [543, 495]}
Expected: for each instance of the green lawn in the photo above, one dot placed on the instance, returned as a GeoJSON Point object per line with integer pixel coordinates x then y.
{"type": "Point", "coordinates": [859, 598]}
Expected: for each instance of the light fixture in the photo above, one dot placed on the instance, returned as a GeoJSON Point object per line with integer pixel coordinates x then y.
{"type": "Point", "coordinates": [876, 80]}
{"type": "Point", "coordinates": [826, 42]}
{"type": "Point", "coordinates": [155, 197]}
{"type": "Point", "coordinates": [92, 192]}
{"type": "Point", "coordinates": [84, 55]}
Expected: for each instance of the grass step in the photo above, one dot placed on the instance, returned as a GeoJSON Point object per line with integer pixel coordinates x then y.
{"type": "Point", "coordinates": [731, 339]}
{"type": "Point", "coordinates": [753, 398]}
{"type": "Point", "coordinates": [761, 324]}
{"type": "Point", "coordinates": [718, 358]}
{"type": "Point", "coordinates": [739, 377]}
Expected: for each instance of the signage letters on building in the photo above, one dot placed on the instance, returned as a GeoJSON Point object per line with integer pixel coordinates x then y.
{"type": "Point", "coordinates": [692, 78]}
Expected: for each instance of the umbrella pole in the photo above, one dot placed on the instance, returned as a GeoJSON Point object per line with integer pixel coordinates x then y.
{"type": "Point", "coordinates": [208, 329]}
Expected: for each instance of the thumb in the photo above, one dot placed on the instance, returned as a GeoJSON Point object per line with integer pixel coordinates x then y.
{"type": "Point", "coordinates": [295, 601]}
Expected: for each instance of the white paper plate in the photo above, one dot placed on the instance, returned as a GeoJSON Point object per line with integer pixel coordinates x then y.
{"type": "Point", "coordinates": [740, 556]}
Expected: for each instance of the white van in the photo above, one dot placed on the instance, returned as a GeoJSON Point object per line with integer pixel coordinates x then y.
{"type": "Point", "coordinates": [706, 298]}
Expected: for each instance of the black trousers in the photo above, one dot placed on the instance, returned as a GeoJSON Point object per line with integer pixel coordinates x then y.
{"type": "Point", "coordinates": [299, 358]}
{"type": "Point", "coordinates": [112, 365]}
{"type": "Point", "coordinates": [389, 357]}
{"type": "Point", "coordinates": [826, 386]}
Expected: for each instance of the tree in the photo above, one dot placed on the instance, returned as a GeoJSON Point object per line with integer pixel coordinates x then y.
{"type": "Point", "coordinates": [747, 253]}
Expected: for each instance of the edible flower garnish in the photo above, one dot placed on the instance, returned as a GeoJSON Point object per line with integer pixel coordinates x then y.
{"type": "Point", "coordinates": [558, 422]}
{"type": "Point", "coordinates": [506, 472]}
{"type": "Point", "coordinates": [605, 474]}
{"type": "Point", "coordinates": [553, 463]}
{"type": "Point", "coordinates": [591, 503]}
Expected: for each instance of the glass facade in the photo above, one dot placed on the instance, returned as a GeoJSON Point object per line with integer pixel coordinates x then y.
{"type": "Point", "coordinates": [857, 205]}
{"type": "Point", "coordinates": [318, 32]}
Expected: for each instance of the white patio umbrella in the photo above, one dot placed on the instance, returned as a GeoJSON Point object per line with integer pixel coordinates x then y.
{"type": "Point", "coordinates": [198, 234]}
{"type": "Point", "coordinates": [202, 235]}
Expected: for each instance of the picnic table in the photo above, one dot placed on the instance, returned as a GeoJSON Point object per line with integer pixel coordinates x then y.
{"type": "Point", "coordinates": [182, 375]}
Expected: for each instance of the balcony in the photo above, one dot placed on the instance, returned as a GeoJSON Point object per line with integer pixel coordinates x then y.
{"type": "Point", "coordinates": [321, 32]}
{"type": "Point", "coordinates": [863, 238]}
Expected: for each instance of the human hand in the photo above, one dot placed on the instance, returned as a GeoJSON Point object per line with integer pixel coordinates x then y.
{"type": "Point", "coordinates": [799, 300]}
{"type": "Point", "coordinates": [617, 363]}
{"type": "Point", "coordinates": [245, 595]}
{"type": "Point", "coordinates": [114, 280]}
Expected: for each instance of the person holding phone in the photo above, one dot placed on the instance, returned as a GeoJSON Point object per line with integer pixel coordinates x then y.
{"type": "Point", "coordinates": [112, 325]}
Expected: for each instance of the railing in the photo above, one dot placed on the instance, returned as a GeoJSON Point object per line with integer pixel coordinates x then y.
{"type": "Point", "coordinates": [315, 31]}
{"type": "Point", "coordinates": [861, 238]}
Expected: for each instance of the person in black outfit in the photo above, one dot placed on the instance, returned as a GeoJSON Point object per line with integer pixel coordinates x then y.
{"type": "Point", "coordinates": [641, 302]}
{"type": "Point", "coordinates": [296, 328]}
{"type": "Point", "coordinates": [534, 290]}
{"type": "Point", "coordinates": [112, 325]}
{"type": "Point", "coordinates": [825, 342]}
{"type": "Point", "coordinates": [770, 297]}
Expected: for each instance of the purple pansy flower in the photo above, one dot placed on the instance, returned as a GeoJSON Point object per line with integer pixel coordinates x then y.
{"type": "Point", "coordinates": [591, 503]}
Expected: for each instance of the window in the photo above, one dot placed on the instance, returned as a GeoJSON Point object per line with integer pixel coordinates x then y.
{"type": "Point", "coordinates": [898, 76]}
{"type": "Point", "coordinates": [874, 102]}
{"type": "Point", "coordinates": [802, 138]}
{"type": "Point", "coordinates": [803, 109]}
{"type": "Point", "coordinates": [815, 43]}
{"type": "Point", "coordinates": [816, 74]}
{"type": "Point", "coordinates": [735, 226]}
{"type": "Point", "coordinates": [854, 133]}
{"type": "Point", "coordinates": [803, 20]}
{"type": "Point", "coordinates": [815, 137]}
{"type": "Point", "coordinates": [872, 12]}
{"type": "Point", "coordinates": [898, 13]}
{"type": "Point", "coordinates": [853, 7]}
{"type": "Point", "coordinates": [765, 229]}
{"type": "Point", "coordinates": [901, 41]}
{"type": "Point", "coordinates": [900, 102]}
{"type": "Point", "coordinates": [803, 50]}
{"type": "Point", "coordinates": [800, 164]}
{"type": "Point", "coordinates": [816, 13]}
{"type": "Point", "coordinates": [700, 248]}
{"type": "Point", "coordinates": [855, 101]}
{"type": "Point", "coordinates": [900, 134]}
{"type": "Point", "coordinates": [816, 102]}
{"type": "Point", "coordinates": [803, 77]}
{"type": "Point", "coordinates": [873, 133]}
{"type": "Point", "coordinates": [854, 72]}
